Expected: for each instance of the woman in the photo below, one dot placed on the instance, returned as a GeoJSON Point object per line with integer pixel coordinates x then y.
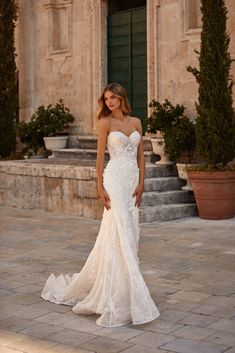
{"type": "Point", "coordinates": [110, 283]}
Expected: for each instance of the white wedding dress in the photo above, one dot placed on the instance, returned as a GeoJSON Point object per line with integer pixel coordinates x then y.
{"type": "Point", "coordinates": [110, 283]}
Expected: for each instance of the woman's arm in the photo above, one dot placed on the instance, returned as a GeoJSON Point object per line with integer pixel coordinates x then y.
{"type": "Point", "coordinates": [103, 129]}
{"type": "Point", "coordinates": [141, 164]}
{"type": "Point", "coordinates": [140, 155]}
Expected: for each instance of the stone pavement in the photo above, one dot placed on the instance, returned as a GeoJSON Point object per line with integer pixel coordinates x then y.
{"type": "Point", "coordinates": [188, 264]}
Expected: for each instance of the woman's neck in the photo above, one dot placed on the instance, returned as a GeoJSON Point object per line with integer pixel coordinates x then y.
{"type": "Point", "coordinates": [117, 114]}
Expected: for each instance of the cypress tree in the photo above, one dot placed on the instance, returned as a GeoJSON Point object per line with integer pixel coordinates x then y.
{"type": "Point", "coordinates": [8, 81]}
{"type": "Point", "coordinates": [215, 123]}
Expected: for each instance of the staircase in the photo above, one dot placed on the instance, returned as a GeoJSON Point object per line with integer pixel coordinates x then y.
{"type": "Point", "coordinates": [162, 199]}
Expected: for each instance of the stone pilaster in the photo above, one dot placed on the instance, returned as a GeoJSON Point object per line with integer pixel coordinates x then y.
{"type": "Point", "coordinates": [27, 60]}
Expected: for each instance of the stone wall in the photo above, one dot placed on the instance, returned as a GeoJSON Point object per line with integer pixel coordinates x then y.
{"type": "Point", "coordinates": [54, 188]}
{"type": "Point", "coordinates": [175, 38]}
{"type": "Point", "coordinates": [62, 53]}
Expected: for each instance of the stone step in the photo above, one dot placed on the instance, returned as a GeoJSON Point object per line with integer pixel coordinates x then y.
{"type": "Point", "coordinates": [153, 198]}
{"type": "Point", "coordinates": [78, 153]}
{"type": "Point", "coordinates": [151, 170]}
{"type": "Point", "coordinates": [87, 142]}
{"type": "Point", "coordinates": [90, 142]}
{"type": "Point", "coordinates": [167, 212]}
{"type": "Point", "coordinates": [163, 184]}
{"type": "Point", "coordinates": [154, 170]}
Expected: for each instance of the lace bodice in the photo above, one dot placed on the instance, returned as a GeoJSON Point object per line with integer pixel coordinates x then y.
{"type": "Point", "coordinates": [121, 145]}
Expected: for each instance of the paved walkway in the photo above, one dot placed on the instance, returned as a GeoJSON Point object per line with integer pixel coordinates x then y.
{"type": "Point", "coordinates": [189, 266]}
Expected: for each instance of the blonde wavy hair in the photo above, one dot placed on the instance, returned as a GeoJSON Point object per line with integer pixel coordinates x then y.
{"type": "Point", "coordinates": [120, 93]}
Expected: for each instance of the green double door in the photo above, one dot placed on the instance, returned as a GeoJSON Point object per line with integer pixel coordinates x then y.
{"type": "Point", "coordinates": [127, 56]}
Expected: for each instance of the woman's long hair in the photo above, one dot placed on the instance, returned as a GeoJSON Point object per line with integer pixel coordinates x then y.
{"type": "Point", "coordinates": [121, 93]}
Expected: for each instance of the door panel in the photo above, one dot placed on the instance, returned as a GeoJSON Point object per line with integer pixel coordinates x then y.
{"type": "Point", "coordinates": [127, 56]}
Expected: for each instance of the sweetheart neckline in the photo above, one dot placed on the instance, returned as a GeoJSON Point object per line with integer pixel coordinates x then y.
{"type": "Point", "coordinates": [124, 133]}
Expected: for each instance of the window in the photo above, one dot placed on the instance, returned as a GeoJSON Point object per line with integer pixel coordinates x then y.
{"type": "Point", "coordinates": [193, 22]}
{"type": "Point", "coordinates": [59, 27]}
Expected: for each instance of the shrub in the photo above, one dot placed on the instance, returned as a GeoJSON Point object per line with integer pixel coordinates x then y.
{"type": "Point", "coordinates": [45, 122]}
{"type": "Point", "coordinates": [177, 129]}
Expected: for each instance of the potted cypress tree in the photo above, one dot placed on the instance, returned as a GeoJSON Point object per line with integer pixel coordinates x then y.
{"type": "Point", "coordinates": [214, 182]}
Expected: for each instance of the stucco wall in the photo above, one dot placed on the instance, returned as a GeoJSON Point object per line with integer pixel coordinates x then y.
{"type": "Point", "coordinates": [176, 45]}
{"type": "Point", "coordinates": [60, 55]}
{"type": "Point", "coordinates": [77, 71]}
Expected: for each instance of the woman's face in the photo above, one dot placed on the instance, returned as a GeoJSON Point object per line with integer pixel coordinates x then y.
{"type": "Point", "coordinates": [112, 101]}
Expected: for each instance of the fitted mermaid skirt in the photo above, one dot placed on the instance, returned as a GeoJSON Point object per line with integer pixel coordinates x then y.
{"type": "Point", "coordinates": [110, 283]}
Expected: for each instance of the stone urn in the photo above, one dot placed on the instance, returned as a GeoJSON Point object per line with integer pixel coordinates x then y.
{"type": "Point", "coordinates": [55, 142]}
{"type": "Point", "coordinates": [158, 145]}
{"type": "Point", "coordinates": [183, 174]}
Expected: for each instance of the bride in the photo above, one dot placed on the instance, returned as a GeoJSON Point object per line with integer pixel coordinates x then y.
{"type": "Point", "coordinates": [110, 283]}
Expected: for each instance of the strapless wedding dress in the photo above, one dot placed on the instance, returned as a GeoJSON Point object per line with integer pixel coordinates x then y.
{"type": "Point", "coordinates": [110, 283]}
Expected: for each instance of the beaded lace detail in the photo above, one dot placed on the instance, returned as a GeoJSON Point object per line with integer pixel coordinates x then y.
{"type": "Point", "coordinates": [110, 283]}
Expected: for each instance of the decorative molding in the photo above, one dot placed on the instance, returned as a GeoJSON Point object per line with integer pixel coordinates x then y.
{"type": "Point", "coordinates": [191, 19]}
{"type": "Point", "coordinates": [59, 27]}
{"type": "Point", "coordinates": [53, 3]}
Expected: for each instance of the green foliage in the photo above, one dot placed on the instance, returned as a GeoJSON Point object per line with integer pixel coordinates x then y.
{"type": "Point", "coordinates": [215, 123]}
{"type": "Point", "coordinates": [53, 119]}
{"type": "Point", "coordinates": [181, 138]}
{"type": "Point", "coordinates": [178, 131]}
{"type": "Point", "coordinates": [45, 122]}
{"type": "Point", "coordinates": [31, 135]}
{"type": "Point", "coordinates": [8, 81]}
{"type": "Point", "coordinates": [211, 168]}
{"type": "Point", "coordinates": [164, 115]}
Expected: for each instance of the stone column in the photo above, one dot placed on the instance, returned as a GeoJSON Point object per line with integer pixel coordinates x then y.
{"type": "Point", "coordinates": [94, 67]}
{"type": "Point", "coordinates": [152, 49]}
{"type": "Point", "coordinates": [27, 59]}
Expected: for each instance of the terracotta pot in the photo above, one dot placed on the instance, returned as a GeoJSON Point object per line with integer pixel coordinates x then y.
{"type": "Point", "coordinates": [214, 193]}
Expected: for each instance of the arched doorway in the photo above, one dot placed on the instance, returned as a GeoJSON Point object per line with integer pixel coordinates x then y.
{"type": "Point", "coordinates": [127, 51]}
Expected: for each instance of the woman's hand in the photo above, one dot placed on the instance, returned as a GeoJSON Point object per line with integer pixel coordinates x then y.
{"type": "Point", "coordinates": [138, 194]}
{"type": "Point", "coordinates": [104, 198]}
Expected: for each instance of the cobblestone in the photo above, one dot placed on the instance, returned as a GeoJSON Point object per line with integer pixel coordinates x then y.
{"type": "Point", "coordinates": [188, 264]}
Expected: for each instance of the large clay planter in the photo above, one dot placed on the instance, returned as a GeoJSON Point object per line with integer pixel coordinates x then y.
{"type": "Point", "coordinates": [158, 145]}
{"type": "Point", "coordinates": [214, 193]}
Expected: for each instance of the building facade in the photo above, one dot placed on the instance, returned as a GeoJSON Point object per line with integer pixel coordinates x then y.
{"type": "Point", "coordinates": [71, 49]}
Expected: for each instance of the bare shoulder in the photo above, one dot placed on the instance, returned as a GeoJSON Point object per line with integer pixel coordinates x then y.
{"type": "Point", "coordinates": [104, 123]}
{"type": "Point", "coordinates": [135, 120]}
{"type": "Point", "coordinates": [137, 123]}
